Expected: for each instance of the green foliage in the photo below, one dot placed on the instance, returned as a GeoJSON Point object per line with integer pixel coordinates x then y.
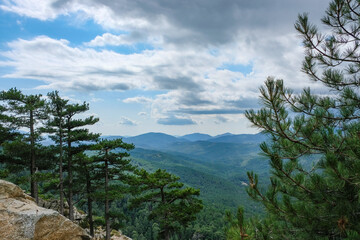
{"type": "Point", "coordinates": [172, 205]}
{"type": "Point", "coordinates": [237, 229]}
{"type": "Point", "coordinates": [75, 134]}
{"type": "Point", "coordinates": [209, 223]}
{"type": "Point", "coordinates": [103, 173]}
{"type": "Point", "coordinates": [115, 170]}
{"type": "Point", "coordinates": [114, 167]}
{"type": "Point", "coordinates": [321, 201]}
{"type": "Point", "coordinates": [218, 183]}
{"type": "Point", "coordinates": [24, 111]}
{"type": "Point", "coordinates": [55, 126]}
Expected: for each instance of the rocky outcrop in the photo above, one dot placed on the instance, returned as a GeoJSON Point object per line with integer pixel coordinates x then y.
{"type": "Point", "coordinates": [54, 204]}
{"type": "Point", "coordinates": [115, 235]}
{"type": "Point", "coordinates": [22, 219]}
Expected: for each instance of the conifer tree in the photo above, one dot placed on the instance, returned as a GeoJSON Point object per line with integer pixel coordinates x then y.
{"type": "Point", "coordinates": [237, 228]}
{"type": "Point", "coordinates": [8, 130]}
{"type": "Point", "coordinates": [115, 168]}
{"type": "Point", "coordinates": [88, 174]}
{"type": "Point", "coordinates": [27, 111]}
{"type": "Point", "coordinates": [173, 205]}
{"type": "Point", "coordinates": [7, 133]}
{"type": "Point", "coordinates": [56, 126]}
{"type": "Point", "coordinates": [315, 139]}
{"type": "Point", "coordinates": [76, 133]}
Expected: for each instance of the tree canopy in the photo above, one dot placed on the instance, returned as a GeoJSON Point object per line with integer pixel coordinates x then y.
{"type": "Point", "coordinates": [172, 205]}
{"type": "Point", "coordinates": [314, 139]}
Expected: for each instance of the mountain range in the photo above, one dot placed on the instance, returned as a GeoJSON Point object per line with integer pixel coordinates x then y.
{"type": "Point", "coordinates": [154, 140]}
{"type": "Point", "coordinates": [217, 165]}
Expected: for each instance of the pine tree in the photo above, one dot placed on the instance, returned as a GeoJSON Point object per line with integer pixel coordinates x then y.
{"type": "Point", "coordinates": [89, 176]}
{"type": "Point", "coordinates": [172, 205]}
{"type": "Point", "coordinates": [56, 126]}
{"type": "Point", "coordinates": [237, 228]}
{"type": "Point", "coordinates": [75, 133]}
{"type": "Point", "coordinates": [8, 131]}
{"type": "Point", "coordinates": [116, 168]}
{"type": "Point", "coordinates": [27, 111]}
{"type": "Point", "coordinates": [315, 139]}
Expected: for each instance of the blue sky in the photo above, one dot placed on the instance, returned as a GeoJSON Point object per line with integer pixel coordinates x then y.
{"type": "Point", "coordinates": [171, 66]}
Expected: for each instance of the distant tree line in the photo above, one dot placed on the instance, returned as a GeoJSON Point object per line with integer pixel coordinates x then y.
{"type": "Point", "coordinates": [80, 168]}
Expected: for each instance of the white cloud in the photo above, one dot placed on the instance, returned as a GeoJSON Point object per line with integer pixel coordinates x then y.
{"type": "Point", "coordinates": [175, 121]}
{"type": "Point", "coordinates": [192, 41]}
{"type": "Point", "coordinates": [41, 9]}
{"type": "Point", "coordinates": [139, 99]}
{"type": "Point", "coordinates": [109, 39]}
{"type": "Point", "coordinates": [190, 79]}
{"type": "Point", "coordinates": [127, 121]}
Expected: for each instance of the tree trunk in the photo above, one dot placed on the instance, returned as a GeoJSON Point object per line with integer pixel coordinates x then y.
{"type": "Point", "coordinates": [107, 220]}
{"type": "Point", "coordinates": [33, 183]}
{"type": "Point", "coordinates": [70, 191]}
{"type": "Point", "coordinates": [165, 234]}
{"type": "Point", "coordinates": [61, 174]}
{"type": "Point", "coordinates": [89, 205]}
{"type": "Point", "coordinates": [90, 216]}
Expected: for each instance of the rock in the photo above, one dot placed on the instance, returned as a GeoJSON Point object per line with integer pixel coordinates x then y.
{"type": "Point", "coordinates": [54, 204]}
{"type": "Point", "coordinates": [115, 235]}
{"type": "Point", "coordinates": [22, 219]}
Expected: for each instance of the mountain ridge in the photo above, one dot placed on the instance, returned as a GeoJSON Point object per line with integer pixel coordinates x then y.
{"type": "Point", "coordinates": [157, 140]}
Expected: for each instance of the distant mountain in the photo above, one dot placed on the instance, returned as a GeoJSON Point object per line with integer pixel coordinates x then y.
{"type": "Point", "coordinates": [153, 140]}
{"type": "Point", "coordinates": [240, 138]}
{"type": "Point", "coordinates": [111, 137]}
{"type": "Point", "coordinates": [232, 157]}
{"type": "Point", "coordinates": [196, 137]}
{"type": "Point", "coordinates": [223, 135]}
{"type": "Point", "coordinates": [217, 165]}
{"type": "Point", "coordinates": [215, 186]}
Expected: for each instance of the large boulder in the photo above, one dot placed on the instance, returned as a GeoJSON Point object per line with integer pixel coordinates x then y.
{"type": "Point", "coordinates": [22, 219]}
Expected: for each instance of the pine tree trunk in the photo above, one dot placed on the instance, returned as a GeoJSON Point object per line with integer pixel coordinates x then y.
{"type": "Point", "coordinates": [107, 220]}
{"type": "Point", "coordinates": [33, 183]}
{"type": "Point", "coordinates": [165, 234]}
{"type": "Point", "coordinates": [90, 215]}
{"type": "Point", "coordinates": [61, 175]}
{"type": "Point", "coordinates": [70, 191]}
{"type": "Point", "coordinates": [89, 203]}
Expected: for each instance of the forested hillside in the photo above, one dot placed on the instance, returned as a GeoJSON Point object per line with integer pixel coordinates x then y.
{"type": "Point", "coordinates": [297, 179]}
{"type": "Point", "coordinates": [217, 167]}
{"type": "Point", "coordinates": [79, 168]}
{"type": "Point", "coordinates": [103, 175]}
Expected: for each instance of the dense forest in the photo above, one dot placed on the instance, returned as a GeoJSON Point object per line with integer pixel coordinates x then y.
{"type": "Point", "coordinates": [312, 148]}
{"type": "Point", "coordinates": [81, 169]}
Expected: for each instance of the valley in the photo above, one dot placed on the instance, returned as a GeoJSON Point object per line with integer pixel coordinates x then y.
{"type": "Point", "coordinates": [217, 165]}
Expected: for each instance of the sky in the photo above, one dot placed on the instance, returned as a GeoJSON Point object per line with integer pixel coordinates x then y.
{"type": "Point", "coordinates": [171, 66]}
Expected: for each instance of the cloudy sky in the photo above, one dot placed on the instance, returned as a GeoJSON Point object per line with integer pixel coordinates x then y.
{"type": "Point", "coordinates": [172, 66]}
